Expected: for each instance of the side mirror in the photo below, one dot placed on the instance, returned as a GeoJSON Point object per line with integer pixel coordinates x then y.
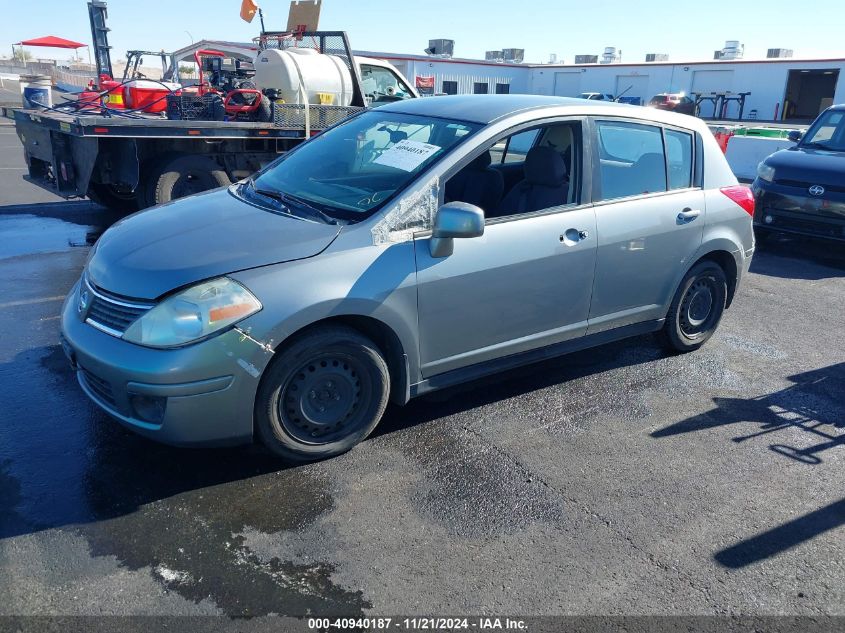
{"type": "Point", "coordinates": [455, 220]}
{"type": "Point", "coordinates": [794, 135]}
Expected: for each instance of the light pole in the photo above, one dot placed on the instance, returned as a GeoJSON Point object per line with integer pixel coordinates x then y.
{"type": "Point", "coordinates": [191, 36]}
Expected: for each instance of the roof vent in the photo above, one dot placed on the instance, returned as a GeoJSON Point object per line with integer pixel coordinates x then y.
{"type": "Point", "coordinates": [776, 53]}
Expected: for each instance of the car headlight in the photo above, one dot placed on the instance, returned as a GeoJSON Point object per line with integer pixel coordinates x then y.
{"type": "Point", "coordinates": [765, 172]}
{"type": "Point", "coordinates": [193, 314]}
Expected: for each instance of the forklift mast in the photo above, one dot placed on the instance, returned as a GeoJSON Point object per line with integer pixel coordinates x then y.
{"type": "Point", "coordinates": [97, 13]}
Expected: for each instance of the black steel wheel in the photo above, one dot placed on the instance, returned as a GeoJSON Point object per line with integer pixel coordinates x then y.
{"type": "Point", "coordinates": [697, 308]}
{"type": "Point", "coordinates": [322, 394]}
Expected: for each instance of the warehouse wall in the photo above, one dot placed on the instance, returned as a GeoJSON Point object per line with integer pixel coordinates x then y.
{"type": "Point", "coordinates": [765, 80]}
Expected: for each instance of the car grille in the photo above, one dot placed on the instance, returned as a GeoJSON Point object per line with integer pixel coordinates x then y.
{"type": "Point", "coordinates": [99, 387]}
{"type": "Point", "coordinates": [806, 185]}
{"type": "Point", "coordinates": [111, 314]}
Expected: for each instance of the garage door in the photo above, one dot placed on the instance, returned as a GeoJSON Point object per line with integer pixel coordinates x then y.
{"type": "Point", "coordinates": [707, 81]}
{"type": "Point", "coordinates": [568, 84]}
{"type": "Point", "coordinates": [634, 87]}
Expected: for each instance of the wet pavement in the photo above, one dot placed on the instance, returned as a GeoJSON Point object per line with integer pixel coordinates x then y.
{"type": "Point", "coordinates": [619, 480]}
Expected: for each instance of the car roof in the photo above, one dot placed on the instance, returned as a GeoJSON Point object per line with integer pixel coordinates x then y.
{"type": "Point", "coordinates": [487, 109]}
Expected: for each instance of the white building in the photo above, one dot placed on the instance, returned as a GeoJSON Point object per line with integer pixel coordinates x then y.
{"type": "Point", "coordinates": [795, 89]}
{"type": "Point", "coordinates": [460, 76]}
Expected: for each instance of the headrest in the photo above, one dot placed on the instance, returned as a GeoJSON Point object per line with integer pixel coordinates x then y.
{"type": "Point", "coordinates": [651, 161]}
{"type": "Point", "coordinates": [544, 166]}
{"type": "Point", "coordinates": [482, 161]}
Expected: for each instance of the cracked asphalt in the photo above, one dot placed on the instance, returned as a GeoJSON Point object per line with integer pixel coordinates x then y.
{"type": "Point", "coordinates": [618, 480]}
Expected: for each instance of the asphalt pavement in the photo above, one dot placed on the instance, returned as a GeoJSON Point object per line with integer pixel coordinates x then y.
{"type": "Point", "coordinates": [619, 480]}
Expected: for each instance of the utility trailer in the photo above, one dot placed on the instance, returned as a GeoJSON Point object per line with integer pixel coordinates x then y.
{"type": "Point", "coordinates": [131, 164]}
{"type": "Point", "coordinates": [128, 163]}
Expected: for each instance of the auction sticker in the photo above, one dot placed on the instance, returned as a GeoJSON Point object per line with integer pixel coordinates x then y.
{"type": "Point", "coordinates": [407, 155]}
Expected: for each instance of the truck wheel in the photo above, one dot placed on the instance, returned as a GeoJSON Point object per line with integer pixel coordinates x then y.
{"type": "Point", "coordinates": [696, 309]}
{"type": "Point", "coordinates": [185, 176]}
{"type": "Point", "coordinates": [322, 395]}
{"type": "Point", "coordinates": [113, 199]}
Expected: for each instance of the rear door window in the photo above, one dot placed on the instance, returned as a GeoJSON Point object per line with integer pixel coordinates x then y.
{"type": "Point", "coordinates": [632, 159]}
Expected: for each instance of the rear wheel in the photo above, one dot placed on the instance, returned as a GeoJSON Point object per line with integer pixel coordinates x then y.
{"type": "Point", "coordinates": [184, 176]}
{"type": "Point", "coordinates": [697, 308]}
{"type": "Point", "coordinates": [322, 395]}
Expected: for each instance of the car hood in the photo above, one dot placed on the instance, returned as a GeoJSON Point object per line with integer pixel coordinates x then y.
{"type": "Point", "coordinates": [153, 252]}
{"type": "Point", "coordinates": [810, 166]}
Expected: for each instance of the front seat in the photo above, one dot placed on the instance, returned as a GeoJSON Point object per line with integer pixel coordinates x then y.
{"type": "Point", "coordinates": [545, 185]}
{"type": "Point", "coordinates": [477, 184]}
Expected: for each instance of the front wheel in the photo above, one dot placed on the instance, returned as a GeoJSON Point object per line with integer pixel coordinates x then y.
{"type": "Point", "coordinates": [322, 395]}
{"type": "Point", "coordinates": [696, 309]}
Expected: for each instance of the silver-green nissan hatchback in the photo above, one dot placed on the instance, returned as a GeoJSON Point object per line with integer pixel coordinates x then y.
{"type": "Point", "coordinates": [414, 246]}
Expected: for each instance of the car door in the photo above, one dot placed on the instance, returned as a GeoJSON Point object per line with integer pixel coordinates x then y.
{"type": "Point", "coordinates": [525, 283]}
{"type": "Point", "coordinates": [649, 219]}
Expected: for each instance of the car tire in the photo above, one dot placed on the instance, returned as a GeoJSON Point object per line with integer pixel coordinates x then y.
{"type": "Point", "coordinates": [696, 309]}
{"type": "Point", "coordinates": [322, 394]}
{"type": "Point", "coordinates": [185, 175]}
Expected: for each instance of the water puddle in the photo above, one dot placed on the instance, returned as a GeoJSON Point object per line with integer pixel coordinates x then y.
{"type": "Point", "coordinates": [30, 234]}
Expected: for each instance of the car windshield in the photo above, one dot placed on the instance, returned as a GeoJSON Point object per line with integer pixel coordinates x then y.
{"type": "Point", "coordinates": [350, 171]}
{"type": "Point", "coordinates": [828, 132]}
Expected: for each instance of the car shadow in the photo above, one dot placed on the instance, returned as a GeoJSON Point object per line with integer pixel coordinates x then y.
{"type": "Point", "coordinates": [797, 257]}
{"type": "Point", "coordinates": [516, 382]}
{"type": "Point", "coordinates": [811, 405]}
{"type": "Point", "coordinates": [64, 462]}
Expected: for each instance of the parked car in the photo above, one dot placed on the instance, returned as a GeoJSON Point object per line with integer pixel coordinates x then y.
{"type": "Point", "coordinates": [392, 255]}
{"type": "Point", "coordinates": [597, 96]}
{"type": "Point", "coordinates": [676, 102]}
{"type": "Point", "coordinates": [802, 189]}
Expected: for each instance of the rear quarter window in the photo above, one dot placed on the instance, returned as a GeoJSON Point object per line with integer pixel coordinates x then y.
{"type": "Point", "coordinates": [679, 156]}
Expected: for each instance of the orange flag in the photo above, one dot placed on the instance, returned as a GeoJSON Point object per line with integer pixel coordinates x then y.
{"type": "Point", "coordinates": [248, 10]}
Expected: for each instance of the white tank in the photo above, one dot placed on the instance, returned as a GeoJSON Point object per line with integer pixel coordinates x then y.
{"type": "Point", "coordinates": [303, 75]}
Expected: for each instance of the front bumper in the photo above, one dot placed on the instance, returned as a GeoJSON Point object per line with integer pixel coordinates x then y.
{"type": "Point", "coordinates": [207, 390]}
{"type": "Point", "coordinates": [791, 209]}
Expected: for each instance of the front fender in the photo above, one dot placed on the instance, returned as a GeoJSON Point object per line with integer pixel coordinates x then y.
{"type": "Point", "coordinates": [377, 282]}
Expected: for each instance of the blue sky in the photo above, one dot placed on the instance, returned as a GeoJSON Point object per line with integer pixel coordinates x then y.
{"type": "Point", "coordinates": [685, 30]}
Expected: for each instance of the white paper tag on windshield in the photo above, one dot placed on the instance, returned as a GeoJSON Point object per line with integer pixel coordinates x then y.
{"type": "Point", "coordinates": [407, 155]}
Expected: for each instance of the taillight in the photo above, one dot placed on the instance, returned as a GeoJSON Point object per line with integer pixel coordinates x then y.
{"type": "Point", "coordinates": [742, 196]}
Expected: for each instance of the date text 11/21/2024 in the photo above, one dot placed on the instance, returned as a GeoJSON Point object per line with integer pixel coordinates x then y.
{"type": "Point", "coordinates": [417, 624]}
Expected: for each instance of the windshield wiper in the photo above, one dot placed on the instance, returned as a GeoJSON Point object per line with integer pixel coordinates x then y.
{"type": "Point", "coordinates": [301, 204]}
{"type": "Point", "coordinates": [815, 145]}
{"type": "Point", "coordinates": [287, 200]}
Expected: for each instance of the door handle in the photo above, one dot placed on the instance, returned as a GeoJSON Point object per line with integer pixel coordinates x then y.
{"type": "Point", "coordinates": [572, 236]}
{"type": "Point", "coordinates": [688, 215]}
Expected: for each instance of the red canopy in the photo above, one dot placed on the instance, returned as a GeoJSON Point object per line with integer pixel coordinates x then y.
{"type": "Point", "coordinates": [52, 41]}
